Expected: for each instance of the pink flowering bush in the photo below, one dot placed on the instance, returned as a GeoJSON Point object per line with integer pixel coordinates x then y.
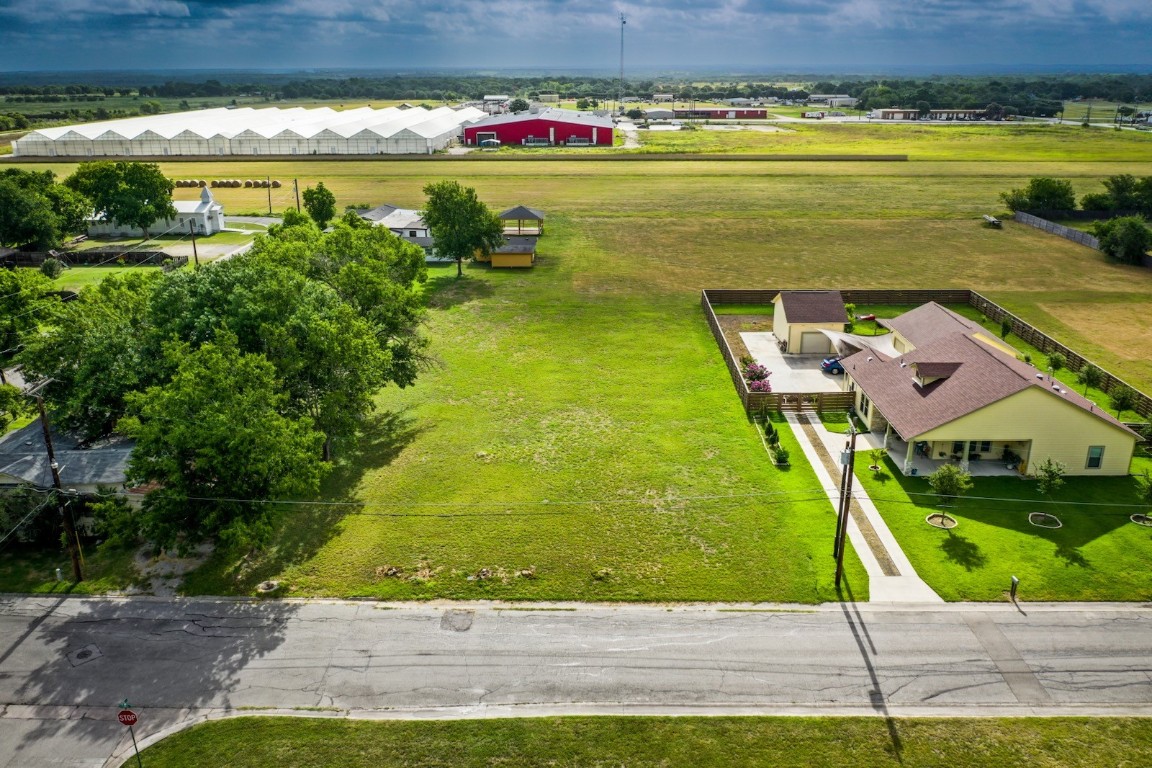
{"type": "Point", "coordinates": [756, 372]}
{"type": "Point", "coordinates": [760, 385]}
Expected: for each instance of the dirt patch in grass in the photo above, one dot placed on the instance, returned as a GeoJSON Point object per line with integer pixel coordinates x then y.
{"type": "Point", "coordinates": [734, 325]}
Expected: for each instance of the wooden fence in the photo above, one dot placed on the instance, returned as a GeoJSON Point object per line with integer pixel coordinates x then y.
{"type": "Point", "coordinates": [1068, 233]}
{"type": "Point", "coordinates": [93, 257]}
{"type": "Point", "coordinates": [754, 401]}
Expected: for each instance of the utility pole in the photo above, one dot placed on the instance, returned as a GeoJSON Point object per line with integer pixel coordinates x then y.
{"type": "Point", "coordinates": [296, 186]}
{"type": "Point", "coordinates": [269, 188]}
{"type": "Point", "coordinates": [69, 528]}
{"type": "Point", "coordinates": [192, 231]}
{"type": "Point", "coordinates": [849, 461]}
{"type": "Point", "coordinates": [620, 88]}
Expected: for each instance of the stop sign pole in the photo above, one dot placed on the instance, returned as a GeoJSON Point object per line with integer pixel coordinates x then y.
{"type": "Point", "coordinates": [128, 717]}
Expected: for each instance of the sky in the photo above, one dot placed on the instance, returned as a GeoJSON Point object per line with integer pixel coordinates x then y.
{"type": "Point", "coordinates": [842, 36]}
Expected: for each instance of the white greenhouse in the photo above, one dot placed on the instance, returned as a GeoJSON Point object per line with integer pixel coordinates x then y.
{"type": "Point", "coordinates": [248, 131]}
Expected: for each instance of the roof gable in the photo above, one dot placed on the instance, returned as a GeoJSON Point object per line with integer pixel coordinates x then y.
{"type": "Point", "coordinates": [929, 322]}
{"type": "Point", "coordinates": [966, 375]}
{"type": "Point", "coordinates": [813, 306]}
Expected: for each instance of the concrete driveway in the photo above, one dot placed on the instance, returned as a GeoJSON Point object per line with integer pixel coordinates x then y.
{"type": "Point", "coordinates": [790, 373]}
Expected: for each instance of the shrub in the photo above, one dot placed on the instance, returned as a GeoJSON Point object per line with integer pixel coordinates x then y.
{"type": "Point", "coordinates": [1125, 239]}
{"type": "Point", "coordinates": [759, 385]}
{"type": "Point", "coordinates": [51, 268]}
{"type": "Point", "coordinates": [1056, 361]}
{"type": "Point", "coordinates": [746, 360]}
{"type": "Point", "coordinates": [1042, 194]}
{"type": "Point", "coordinates": [1097, 201]}
{"type": "Point", "coordinates": [780, 454]}
{"type": "Point", "coordinates": [1005, 328]}
{"type": "Point", "coordinates": [756, 372]}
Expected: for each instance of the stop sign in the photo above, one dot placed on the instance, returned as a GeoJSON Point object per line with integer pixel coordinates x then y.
{"type": "Point", "coordinates": [127, 717]}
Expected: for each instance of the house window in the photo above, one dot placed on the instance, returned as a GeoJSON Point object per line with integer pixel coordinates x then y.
{"type": "Point", "coordinates": [411, 233]}
{"type": "Point", "coordinates": [1095, 457]}
{"type": "Point", "coordinates": [864, 404]}
{"type": "Point", "coordinates": [958, 447]}
{"type": "Point", "coordinates": [985, 446]}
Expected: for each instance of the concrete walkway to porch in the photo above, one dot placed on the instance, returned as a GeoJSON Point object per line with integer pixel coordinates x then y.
{"type": "Point", "coordinates": [891, 577]}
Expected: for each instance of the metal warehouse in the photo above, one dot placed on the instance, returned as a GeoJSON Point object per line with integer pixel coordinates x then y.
{"type": "Point", "coordinates": [549, 127]}
{"type": "Point", "coordinates": [248, 131]}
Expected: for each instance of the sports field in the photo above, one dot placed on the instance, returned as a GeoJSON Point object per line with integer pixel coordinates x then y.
{"type": "Point", "coordinates": [582, 428]}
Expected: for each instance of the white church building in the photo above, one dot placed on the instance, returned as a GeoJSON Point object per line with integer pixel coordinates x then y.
{"type": "Point", "coordinates": [206, 217]}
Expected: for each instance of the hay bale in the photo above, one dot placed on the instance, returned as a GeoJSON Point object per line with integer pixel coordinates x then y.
{"type": "Point", "coordinates": [201, 183]}
{"type": "Point", "coordinates": [264, 183]}
{"type": "Point", "coordinates": [214, 183]}
{"type": "Point", "coordinates": [248, 184]}
{"type": "Point", "coordinates": [275, 184]}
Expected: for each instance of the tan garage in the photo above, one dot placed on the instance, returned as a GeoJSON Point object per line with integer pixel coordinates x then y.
{"type": "Point", "coordinates": [800, 317]}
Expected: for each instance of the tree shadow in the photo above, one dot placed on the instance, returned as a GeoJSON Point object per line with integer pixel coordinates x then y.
{"type": "Point", "coordinates": [161, 656]}
{"type": "Point", "coordinates": [1071, 555]}
{"type": "Point", "coordinates": [963, 552]}
{"type": "Point", "coordinates": [304, 529]}
{"type": "Point", "coordinates": [444, 290]}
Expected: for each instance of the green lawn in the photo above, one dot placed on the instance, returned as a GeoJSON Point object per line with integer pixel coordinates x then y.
{"type": "Point", "coordinates": [617, 468]}
{"type": "Point", "coordinates": [660, 742]}
{"type": "Point", "coordinates": [1098, 554]}
{"type": "Point", "coordinates": [75, 278]}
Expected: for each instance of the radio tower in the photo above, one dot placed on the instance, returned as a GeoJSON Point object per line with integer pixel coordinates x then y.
{"type": "Point", "coordinates": [620, 88]}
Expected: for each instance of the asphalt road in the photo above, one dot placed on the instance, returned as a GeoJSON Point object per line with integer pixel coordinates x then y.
{"type": "Point", "coordinates": [65, 663]}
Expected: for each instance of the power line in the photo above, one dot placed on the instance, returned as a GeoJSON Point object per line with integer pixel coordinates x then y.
{"type": "Point", "coordinates": [47, 501]}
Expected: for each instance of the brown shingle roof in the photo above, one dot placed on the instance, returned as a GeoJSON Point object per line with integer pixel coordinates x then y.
{"type": "Point", "coordinates": [522, 213]}
{"type": "Point", "coordinates": [929, 322]}
{"type": "Point", "coordinates": [814, 306]}
{"type": "Point", "coordinates": [982, 375]}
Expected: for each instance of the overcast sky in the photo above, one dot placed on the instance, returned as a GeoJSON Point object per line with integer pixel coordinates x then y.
{"type": "Point", "coordinates": [758, 35]}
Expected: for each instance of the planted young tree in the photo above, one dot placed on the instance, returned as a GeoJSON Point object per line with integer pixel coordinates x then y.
{"type": "Point", "coordinates": [1049, 477]}
{"type": "Point", "coordinates": [461, 225]}
{"type": "Point", "coordinates": [949, 482]}
{"type": "Point", "coordinates": [1144, 494]}
{"type": "Point", "coordinates": [132, 194]}
{"type": "Point", "coordinates": [1090, 376]}
{"type": "Point", "coordinates": [320, 204]}
{"type": "Point", "coordinates": [1122, 398]}
{"type": "Point", "coordinates": [1056, 362]}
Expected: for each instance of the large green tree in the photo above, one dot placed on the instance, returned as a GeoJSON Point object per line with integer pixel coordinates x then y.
{"type": "Point", "coordinates": [217, 444]}
{"type": "Point", "coordinates": [133, 194]}
{"type": "Point", "coordinates": [36, 210]}
{"type": "Point", "coordinates": [320, 204]}
{"type": "Point", "coordinates": [460, 223]}
{"type": "Point", "coordinates": [101, 348]}
{"type": "Point", "coordinates": [25, 304]}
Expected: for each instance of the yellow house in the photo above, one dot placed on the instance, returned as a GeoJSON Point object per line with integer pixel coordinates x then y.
{"type": "Point", "coordinates": [800, 317]}
{"type": "Point", "coordinates": [955, 395]}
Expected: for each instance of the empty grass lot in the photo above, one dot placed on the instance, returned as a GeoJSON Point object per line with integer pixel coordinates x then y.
{"type": "Point", "coordinates": [583, 423]}
{"type": "Point", "coordinates": [665, 742]}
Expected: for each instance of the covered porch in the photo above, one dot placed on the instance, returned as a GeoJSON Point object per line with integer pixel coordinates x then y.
{"type": "Point", "coordinates": [979, 458]}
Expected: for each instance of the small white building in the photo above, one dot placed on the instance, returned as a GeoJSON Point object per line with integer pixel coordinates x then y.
{"type": "Point", "coordinates": [204, 216]}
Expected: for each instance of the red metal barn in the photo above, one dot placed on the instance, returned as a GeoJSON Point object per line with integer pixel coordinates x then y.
{"type": "Point", "coordinates": [550, 127]}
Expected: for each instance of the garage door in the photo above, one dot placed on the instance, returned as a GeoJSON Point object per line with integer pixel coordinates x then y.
{"type": "Point", "coordinates": [814, 343]}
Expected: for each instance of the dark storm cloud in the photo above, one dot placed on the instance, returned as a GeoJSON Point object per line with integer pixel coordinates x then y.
{"type": "Point", "coordinates": [574, 33]}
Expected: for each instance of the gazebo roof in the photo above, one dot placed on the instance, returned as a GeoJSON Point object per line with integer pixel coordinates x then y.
{"type": "Point", "coordinates": [522, 213]}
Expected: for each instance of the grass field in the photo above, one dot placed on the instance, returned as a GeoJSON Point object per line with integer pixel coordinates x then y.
{"type": "Point", "coordinates": [662, 742]}
{"type": "Point", "coordinates": [583, 422]}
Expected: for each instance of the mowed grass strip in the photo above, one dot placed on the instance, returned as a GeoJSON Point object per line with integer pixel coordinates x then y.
{"type": "Point", "coordinates": [660, 741]}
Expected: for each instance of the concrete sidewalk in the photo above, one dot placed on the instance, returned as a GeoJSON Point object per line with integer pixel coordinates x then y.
{"type": "Point", "coordinates": [891, 577]}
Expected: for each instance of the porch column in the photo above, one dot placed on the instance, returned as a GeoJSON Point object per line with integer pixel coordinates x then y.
{"type": "Point", "coordinates": [887, 434]}
{"type": "Point", "coordinates": [908, 457]}
{"type": "Point", "coordinates": [964, 456]}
